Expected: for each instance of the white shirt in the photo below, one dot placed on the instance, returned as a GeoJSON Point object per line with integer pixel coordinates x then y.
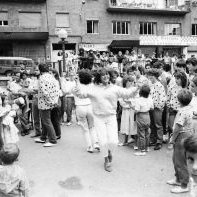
{"type": "Point", "coordinates": [143, 104]}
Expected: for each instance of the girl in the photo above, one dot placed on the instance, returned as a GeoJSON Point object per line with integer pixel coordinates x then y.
{"type": "Point", "coordinates": [9, 132]}
{"type": "Point", "coordinates": [172, 100]}
{"type": "Point", "coordinates": [104, 97]}
{"type": "Point", "coordinates": [84, 114]}
{"type": "Point", "coordinates": [128, 124]}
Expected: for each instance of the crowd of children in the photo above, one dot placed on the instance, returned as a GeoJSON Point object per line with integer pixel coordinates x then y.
{"type": "Point", "coordinates": [155, 105]}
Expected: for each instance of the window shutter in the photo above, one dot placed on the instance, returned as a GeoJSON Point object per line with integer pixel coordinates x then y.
{"type": "Point", "coordinates": [30, 19]}
{"type": "Point", "coordinates": [62, 20]}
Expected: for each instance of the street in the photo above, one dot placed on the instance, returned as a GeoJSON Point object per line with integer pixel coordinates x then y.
{"type": "Point", "coordinates": [67, 170]}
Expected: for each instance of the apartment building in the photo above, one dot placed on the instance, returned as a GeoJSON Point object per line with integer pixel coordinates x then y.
{"type": "Point", "coordinates": [29, 28]}
{"type": "Point", "coordinates": [23, 29]}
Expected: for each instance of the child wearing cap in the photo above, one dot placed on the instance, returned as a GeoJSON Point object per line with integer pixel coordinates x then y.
{"type": "Point", "coordinates": [13, 181]}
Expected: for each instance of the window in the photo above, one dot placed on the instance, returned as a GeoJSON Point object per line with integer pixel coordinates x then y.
{"type": "Point", "coordinates": [148, 28]}
{"type": "Point", "coordinates": [3, 19]}
{"type": "Point", "coordinates": [172, 29]}
{"type": "Point", "coordinates": [194, 29]}
{"type": "Point", "coordinates": [62, 20]}
{"type": "Point", "coordinates": [121, 27]}
{"type": "Point", "coordinates": [92, 26]}
{"type": "Point", "coordinates": [30, 19]}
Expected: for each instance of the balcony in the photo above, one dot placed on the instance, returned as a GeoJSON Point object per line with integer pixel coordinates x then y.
{"type": "Point", "coordinates": [147, 8]}
{"type": "Point", "coordinates": [24, 1]}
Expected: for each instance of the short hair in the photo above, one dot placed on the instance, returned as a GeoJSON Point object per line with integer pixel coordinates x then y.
{"type": "Point", "coordinates": [181, 64]}
{"type": "Point", "coordinates": [158, 65]}
{"type": "Point", "coordinates": [98, 74]}
{"type": "Point", "coordinates": [9, 153]}
{"type": "Point", "coordinates": [184, 97]}
{"type": "Point", "coordinates": [126, 79]}
{"type": "Point", "coordinates": [148, 65]}
{"type": "Point", "coordinates": [183, 77]}
{"type": "Point", "coordinates": [192, 61]}
{"type": "Point", "coordinates": [144, 91]}
{"type": "Point", "coordinates": [43, 68]}
{"type": "Point", "coordinates": [132, 68]}
{"type": "Point", "coordinates": [112, 72]}
{"type": "Point", "coordinates": [190, 144]}
{"type": "Point", "coordinates": [85, 76]}
{"type": "Point", "coordinates": [153, 72]}
{"type": "Point", "coordinates": [167, 67]}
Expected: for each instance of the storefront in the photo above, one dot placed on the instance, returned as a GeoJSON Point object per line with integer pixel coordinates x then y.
{"type": "Point", "coordinates": [162, 44]}
{"type": "Point", "coordinates": [94, 47]}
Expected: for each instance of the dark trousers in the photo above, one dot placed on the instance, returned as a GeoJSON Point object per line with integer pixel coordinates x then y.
{"type": "Point", "coordinates": [36, 116]}
{"type": "Point", "coordinates": [179, 160]}
{"type": "Point", "coordinates": [47, 126]}
{"type": "Point", "coordinates": [143, 124]}
{"type": "Point", "coordinates": [69, 105]}
{"type": "Point", "coordinates": [156, 126]}
{"type": "Point", "coordinates": [56, 120]}
{"type": "Point", "coordinates": [1, 130]}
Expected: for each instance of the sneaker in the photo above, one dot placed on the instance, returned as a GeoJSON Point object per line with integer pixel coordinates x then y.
{"type": "Point", "coordinates": [140, 154]}
{"type": "Point", "coordinates": [90, 149]}
{"type": "Point", "coordinates": [170, 146]}
{"type": "Point", "coordinates": [173, 182]}
{"type": "Point", "coordinates": [158, 146]}
{"type": "Point", "coordinates": [147, 150]}
{"type": "Point", "coordinates": [135, 147]}
{"type": "Point", "coordinates": [179, 189]}
{"type": "Point", "coordinates": [165, 138]}
{"type": "Point", "coordinates": [49, 144]}
{"type": "Point", "coordinates": [38, 140]}
{"type": "Point", "coordinates": [68, 124]}
{"type": "Point", "coordinates": [131, 140]}
{"type": "Point", "coordinates": [96, 146]}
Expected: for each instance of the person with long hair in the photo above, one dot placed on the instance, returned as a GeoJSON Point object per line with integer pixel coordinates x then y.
{"type": "Point", "coordinates": [84, 113]}
{"type": "Point", "coordinates": [104, 96]}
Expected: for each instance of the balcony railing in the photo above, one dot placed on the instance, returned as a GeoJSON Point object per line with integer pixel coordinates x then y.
{"type": "Point", "coordinates": [24, 1]}
{"type": "Point", "coordinates": [125, 6]}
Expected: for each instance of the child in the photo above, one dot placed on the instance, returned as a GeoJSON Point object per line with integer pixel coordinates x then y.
{"type": "Point", "coordinates": [142, 106]}
{"type": "Point", "coordinates": [190, 145]}
{"type": "Point", "coordinates": [9, 131]}
{"type": "Point", "coordinates": [128, 124]}
{"type": "Point", "coordinates": [159, 98]}
{"type": "Point", "coordinates": [13, 181]}
{"type": "Point", "coordinates": [182, 128]}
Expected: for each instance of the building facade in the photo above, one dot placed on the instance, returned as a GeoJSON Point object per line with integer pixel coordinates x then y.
{"type": "Point", "coordinates": [29, 28]}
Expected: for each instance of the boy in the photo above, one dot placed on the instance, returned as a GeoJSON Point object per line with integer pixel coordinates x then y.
{"type": "Point", "coordinates": [13, 181]}
{"type": "Point", "coordinates": [182, 129]}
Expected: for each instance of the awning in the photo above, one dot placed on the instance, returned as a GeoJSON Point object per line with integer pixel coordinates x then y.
{"type": "Point", "coordinates": [24, 35]}
{"type": "Point", "coordinates": [126, 44]}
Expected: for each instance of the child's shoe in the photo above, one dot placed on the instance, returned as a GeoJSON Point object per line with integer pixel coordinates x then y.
{"type": "Point", "coordinates": [90, 149]}
{"type": "Point", "coordinates": [173, 182]}
{"type": "Point", "coordinates": [131, 140]}
{"type": "Point", "coordinates": [179, 189]}
{"type": "Point", "coordinates": [135, 147]}
{"type": "Point", "coordinates": [96, 146]}
{"type": "Point", "coordinates": [141, 153]}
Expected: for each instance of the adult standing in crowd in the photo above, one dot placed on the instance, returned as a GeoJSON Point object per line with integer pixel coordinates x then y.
{"type": "Point", "coordinates": [48, 95]}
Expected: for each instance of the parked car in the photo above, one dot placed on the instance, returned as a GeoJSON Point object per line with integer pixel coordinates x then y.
{"type": "Point", "coordinates": [10, 65]}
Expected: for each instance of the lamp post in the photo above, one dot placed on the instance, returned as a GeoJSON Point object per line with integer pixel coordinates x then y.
{"type": "Point", "coordinates": [62, 34]}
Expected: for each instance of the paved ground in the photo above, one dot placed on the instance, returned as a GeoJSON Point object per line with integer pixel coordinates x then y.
{"type": "Point", "coordinates": [67, 170]}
